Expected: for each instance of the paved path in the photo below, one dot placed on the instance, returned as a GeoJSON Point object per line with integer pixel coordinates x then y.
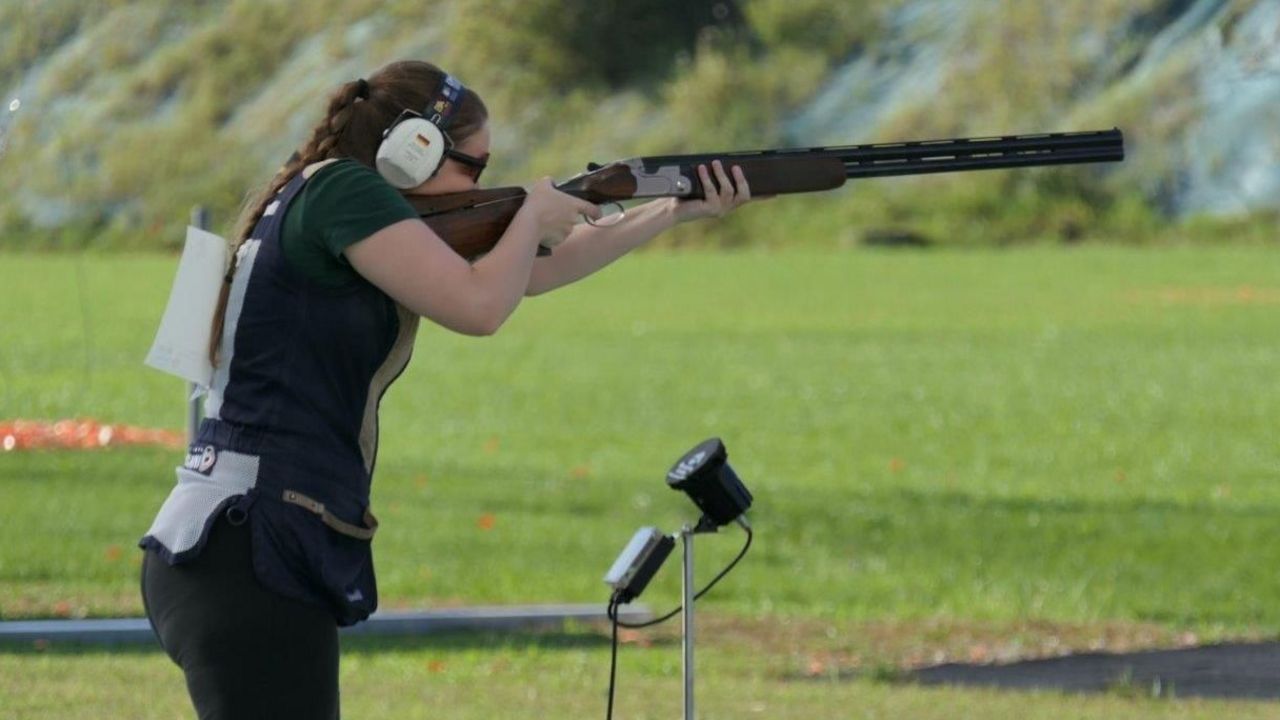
{"type": "Point", "coordinates": [1240, 670]}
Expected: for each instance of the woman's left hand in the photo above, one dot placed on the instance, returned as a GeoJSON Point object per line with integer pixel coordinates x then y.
{"type": "Point", "coordinates": [722, 196]}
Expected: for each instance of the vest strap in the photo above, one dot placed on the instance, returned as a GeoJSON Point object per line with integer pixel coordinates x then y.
{"type": "Point", "coordinates": [345, 528]}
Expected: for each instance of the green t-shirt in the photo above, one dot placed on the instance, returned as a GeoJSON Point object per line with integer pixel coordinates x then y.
{"type": "Point", "coordinates": [342, 204]}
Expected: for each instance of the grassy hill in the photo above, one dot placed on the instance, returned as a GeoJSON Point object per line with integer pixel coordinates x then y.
{"type": "Point", "coordinates": [123, 115]}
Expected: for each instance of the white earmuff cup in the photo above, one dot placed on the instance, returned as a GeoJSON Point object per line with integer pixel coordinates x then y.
{"type": "Point", "coordinates": [411, 153]}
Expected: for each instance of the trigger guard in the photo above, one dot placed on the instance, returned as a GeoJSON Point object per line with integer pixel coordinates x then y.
{"type": "Point", "coordinates": [622, 214]}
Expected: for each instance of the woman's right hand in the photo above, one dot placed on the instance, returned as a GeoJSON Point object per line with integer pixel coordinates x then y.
{"type": "Point", "coordinates": [554, 213]}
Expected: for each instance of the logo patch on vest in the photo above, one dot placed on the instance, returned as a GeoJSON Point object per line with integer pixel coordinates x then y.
{"type": "Point", "coordinates": [201, 459]}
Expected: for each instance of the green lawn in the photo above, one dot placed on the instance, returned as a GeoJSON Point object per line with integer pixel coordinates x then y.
{"type": "Point", "coordinates": [1043, 443]}
{"type": "Point", "coordinates": [565, 676]}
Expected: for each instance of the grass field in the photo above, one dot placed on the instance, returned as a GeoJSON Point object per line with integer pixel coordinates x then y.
{"type": "Point", "coordinates": [960, 455]}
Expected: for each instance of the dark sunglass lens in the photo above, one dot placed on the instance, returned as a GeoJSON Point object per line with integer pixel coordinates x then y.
{"type": "Point", "coordinates": [474, 165]}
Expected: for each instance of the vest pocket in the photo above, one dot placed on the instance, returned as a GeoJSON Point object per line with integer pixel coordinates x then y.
{"type": "Point", "coordinates": [298, 554]}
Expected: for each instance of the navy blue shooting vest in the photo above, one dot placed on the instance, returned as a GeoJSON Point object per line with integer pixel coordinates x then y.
{"type": "Point", "coordinates": [291, 437]}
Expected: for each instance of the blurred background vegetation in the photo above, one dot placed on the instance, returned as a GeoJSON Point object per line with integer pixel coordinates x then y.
{"type": "Point", "coordinates": [119, 116]}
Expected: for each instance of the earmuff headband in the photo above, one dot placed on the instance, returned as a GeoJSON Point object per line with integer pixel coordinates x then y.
{"type": "Point", "coordinates": [440, 110]}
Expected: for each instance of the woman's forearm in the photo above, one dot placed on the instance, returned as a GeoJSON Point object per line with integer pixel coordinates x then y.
{"type": "Point", "coordinates": [589, 248]}
{"type": "Point", "coordinates": [411, 264]}
{"type": "Point", "coordinates": [499, 276]}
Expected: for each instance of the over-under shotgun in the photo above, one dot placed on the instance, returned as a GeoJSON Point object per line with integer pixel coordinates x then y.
{"type": "Point", "coordinates": [471, 222]}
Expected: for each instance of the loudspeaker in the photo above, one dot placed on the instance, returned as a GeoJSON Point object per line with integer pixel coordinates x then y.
{"type": "Point", "coordinates": [413, 148]}
{"type": "Point", "coordinates": [705, 476]}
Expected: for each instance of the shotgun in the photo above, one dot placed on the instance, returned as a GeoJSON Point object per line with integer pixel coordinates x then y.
{"type": "Point", "coordinates": [472, 222]}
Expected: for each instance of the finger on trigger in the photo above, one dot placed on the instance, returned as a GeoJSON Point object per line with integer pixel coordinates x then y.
{"type": "Point", "coordinates": [592, 211]}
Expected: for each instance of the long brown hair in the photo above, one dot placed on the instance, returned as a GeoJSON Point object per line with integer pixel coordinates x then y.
{"type": "Point", "coordinates": [352, 128]}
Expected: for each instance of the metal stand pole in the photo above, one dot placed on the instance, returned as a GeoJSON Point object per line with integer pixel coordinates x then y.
{"type": "Point", "coordinates": [195, 407]}
{"type": "Point", "coordinates": [686, 537]}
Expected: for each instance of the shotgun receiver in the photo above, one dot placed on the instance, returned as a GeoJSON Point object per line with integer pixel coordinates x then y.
{"type": "Point", "coordinates": [471, 222]}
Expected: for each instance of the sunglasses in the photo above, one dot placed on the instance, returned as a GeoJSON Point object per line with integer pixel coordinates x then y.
{"type": "Point", "coordinates": [475, 165]}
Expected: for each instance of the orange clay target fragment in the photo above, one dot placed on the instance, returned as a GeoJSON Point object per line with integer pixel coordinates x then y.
{"type": "Point", "coordinates": [81, 434]}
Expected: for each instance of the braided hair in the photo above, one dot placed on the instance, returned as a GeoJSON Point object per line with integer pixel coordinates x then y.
{"type": "Point", "coordinates": [358, 113]}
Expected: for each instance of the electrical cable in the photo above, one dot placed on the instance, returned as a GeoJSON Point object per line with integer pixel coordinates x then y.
{"type": "Point", "coordinates": [613, 660]}
{"type": "Point", "coordinates": [700, 593]}
{"type": "Point", "coordinates": [612, 614]}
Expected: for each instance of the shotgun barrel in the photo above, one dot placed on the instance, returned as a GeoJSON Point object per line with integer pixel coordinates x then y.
{"type": "Point", "coordinates": [932, 156]}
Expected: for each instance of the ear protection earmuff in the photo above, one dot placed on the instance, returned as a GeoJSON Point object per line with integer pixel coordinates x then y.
{"type": "Point", "coordinates": [413, 148]}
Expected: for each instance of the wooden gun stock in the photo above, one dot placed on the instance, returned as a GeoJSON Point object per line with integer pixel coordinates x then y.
{"type": "Point", "coordinates": [470, 222]}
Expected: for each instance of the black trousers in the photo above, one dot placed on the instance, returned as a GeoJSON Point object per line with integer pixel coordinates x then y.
{"type": "Point", "coordinates": [246, 651]}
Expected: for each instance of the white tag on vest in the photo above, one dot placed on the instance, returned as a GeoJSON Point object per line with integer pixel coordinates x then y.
{"type": "Point", "coordinates": [181, 346]}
